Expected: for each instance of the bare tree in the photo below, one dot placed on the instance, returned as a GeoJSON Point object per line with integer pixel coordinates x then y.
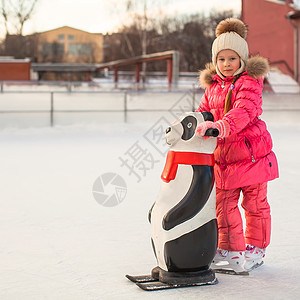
{"type": "Point", "coordinates": [4, 15]}
{"type": "Point", "coordinates": [191, 35]}
{"type": "Point", "coordinates": [16, 13]}
{"type": "Point", "coordinates": [142, 15]}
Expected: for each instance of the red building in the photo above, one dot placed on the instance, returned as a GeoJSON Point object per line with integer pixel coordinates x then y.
{"type": "Point", "coordinates": [14, 69]}
{"type": "Point", "coordinates": [274, 32]}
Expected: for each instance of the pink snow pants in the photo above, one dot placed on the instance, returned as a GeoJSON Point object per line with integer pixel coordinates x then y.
{"type": "Point", "coordinates": [257, 215]}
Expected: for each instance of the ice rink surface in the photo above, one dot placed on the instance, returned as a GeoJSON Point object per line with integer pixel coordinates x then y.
{"type": "Point", "coordinates": [58, 242]}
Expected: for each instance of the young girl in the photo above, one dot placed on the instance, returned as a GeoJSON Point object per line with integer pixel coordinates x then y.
{"type": "Point", "coordinates": [244, 158]}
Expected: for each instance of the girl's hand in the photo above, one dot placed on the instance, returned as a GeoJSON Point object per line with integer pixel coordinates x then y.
{"type": "Point", "coordinates": [221, 125]}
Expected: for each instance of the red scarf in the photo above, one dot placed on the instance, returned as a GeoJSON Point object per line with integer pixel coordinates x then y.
{"type": "Point", "coordinates": [184, 158]}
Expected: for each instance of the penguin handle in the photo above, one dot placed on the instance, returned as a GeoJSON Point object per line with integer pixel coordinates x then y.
{"type": "Point", "coordinates": [212, 132]}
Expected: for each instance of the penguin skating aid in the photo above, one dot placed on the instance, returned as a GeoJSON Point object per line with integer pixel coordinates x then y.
{"type": "Point", "coordinates": [183, 218]}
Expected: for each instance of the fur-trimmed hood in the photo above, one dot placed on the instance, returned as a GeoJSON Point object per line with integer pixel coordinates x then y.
{"type": "Point", "coordinates": [256, 67]}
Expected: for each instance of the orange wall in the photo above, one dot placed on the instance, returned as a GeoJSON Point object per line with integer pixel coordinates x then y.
{"type": "Point", "coordinates": [269, 32]}
{"type": "Point", "coordinates": [52, 36]}
{"type": "Point", "coordinates": [15, 70]}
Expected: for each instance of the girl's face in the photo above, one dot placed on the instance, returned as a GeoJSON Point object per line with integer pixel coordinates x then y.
{"type": "Point", "coordinates": [228, 62]}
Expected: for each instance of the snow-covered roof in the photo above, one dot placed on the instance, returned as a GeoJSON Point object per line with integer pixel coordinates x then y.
{"type": "Point", "coordinates": [282, 83]}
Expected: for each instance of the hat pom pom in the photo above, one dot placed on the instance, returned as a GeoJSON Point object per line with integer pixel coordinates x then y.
{"type": "Point", "coordinates": [231, 24]}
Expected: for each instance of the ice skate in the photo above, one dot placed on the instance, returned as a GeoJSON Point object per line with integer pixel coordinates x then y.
{"type": "Point", "coordinates": [253, 257]}
{"type": "Point", "coordinates": [229, 262]}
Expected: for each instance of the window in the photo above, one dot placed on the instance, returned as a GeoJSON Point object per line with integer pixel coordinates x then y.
{"type": "Point", "coordinates": [52, 49]}
{"type": "Point", "coordinates": [70, 37]}
{"type": "Point", "coordinates": [80, 49]}
{"type": "Point", "coordinates": [61, 37]}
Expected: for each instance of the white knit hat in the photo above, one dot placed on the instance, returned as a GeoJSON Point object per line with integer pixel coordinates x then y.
{"type": "Point", "coordinates": [231, 34]}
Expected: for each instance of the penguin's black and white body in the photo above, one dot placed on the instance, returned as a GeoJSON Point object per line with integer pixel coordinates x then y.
{"type": "Point", "coordinates": [183, 218]}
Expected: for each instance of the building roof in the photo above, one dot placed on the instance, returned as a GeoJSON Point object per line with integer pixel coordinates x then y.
{"type": "Point", "coordinates": [68, 27]}
{"type": "Point", "coordinates": [11, 59]}
{"type": "Point", "coordinates": [62, 67]}
{"type": "Point", "coordinates": [282, 83]}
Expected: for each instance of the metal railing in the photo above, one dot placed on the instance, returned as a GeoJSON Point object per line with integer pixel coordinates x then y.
{"type": "Point", "coordinates": [76, 96]}
{"type": "Point", "coordinates": [122, 103]}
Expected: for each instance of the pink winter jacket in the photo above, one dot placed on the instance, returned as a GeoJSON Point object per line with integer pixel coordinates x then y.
{"type": "Point", "coordinates": [245, 157]}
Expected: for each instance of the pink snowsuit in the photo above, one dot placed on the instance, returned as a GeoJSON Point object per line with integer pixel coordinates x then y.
{"type": "Point", "coordinates": [244, 162]}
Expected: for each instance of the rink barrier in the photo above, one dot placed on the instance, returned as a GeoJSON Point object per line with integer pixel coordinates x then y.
{"type": "Point", "coordinates": [275, 102]}
{"type": "Point", "coordinates": [125, 109]}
